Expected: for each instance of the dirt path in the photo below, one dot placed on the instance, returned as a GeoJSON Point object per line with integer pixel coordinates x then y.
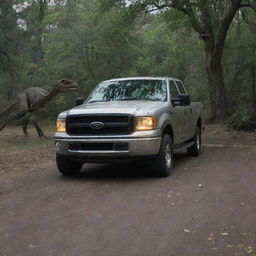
{"type": "Point", "coordinates": [123, 210]}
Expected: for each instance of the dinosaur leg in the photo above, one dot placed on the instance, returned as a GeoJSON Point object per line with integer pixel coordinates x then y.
{"type": "Point", "coordinates": [25, 128]}
{"type": "Point", "coordinates": [39, 130]}
{"type": "Point", "coordinates": [22, 111]}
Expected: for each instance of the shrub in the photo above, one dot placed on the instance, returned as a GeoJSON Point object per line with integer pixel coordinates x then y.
{"type": "Point", "coordinates": [240, 120]}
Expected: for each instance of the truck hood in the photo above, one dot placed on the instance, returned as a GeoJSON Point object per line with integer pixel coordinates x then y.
{"type": "Point", "coordinates": [138, 108]}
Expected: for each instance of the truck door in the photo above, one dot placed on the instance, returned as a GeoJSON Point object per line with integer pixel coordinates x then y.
{"type": "Point", "coordinates": [178, 117]}
{"type": "Point", "coordinates": [188, 114]}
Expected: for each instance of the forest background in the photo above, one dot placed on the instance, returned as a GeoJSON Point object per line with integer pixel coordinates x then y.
{"type": "Point", "coordinates": [208, 44]}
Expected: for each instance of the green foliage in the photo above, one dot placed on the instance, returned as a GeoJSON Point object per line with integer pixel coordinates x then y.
{"type": "Point", "coordinates": [91, 41]}
{"type": "Point", "coordinates": [240, 120]}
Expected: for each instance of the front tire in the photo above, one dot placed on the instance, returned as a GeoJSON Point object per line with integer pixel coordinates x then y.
{"type": "Point", "coordinates": [67, 167]}
{"type": "Point", "coordinates": [163, 164]}
{"type": "Point", "coordinates": [195, 150]}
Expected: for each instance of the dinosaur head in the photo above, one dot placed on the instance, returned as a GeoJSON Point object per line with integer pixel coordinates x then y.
{"type": "Point", "coordinates": [65, 86]}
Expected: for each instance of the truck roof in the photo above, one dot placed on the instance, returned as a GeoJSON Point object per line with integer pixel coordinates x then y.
{"type": "Point", "coordinates": [141, 78]}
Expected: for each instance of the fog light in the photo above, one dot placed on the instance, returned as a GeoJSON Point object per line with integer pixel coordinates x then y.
{"type": "Point", "coordinates": [58, 146]}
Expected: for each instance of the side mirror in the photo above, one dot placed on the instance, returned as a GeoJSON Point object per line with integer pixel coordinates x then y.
{"type": "Point", "coordinates": [79, 101]}
{"type": "Point", "coordinates": [184, 100]}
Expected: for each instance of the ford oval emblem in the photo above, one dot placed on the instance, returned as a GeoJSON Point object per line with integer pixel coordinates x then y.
{"type": "Point", "coordinates": [96, 125]}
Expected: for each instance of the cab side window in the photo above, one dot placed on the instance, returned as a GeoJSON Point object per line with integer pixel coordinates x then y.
{"type": "Point", "coordinates": [181, 87]}
{"type": "Point", "coordinates": [173, 90]}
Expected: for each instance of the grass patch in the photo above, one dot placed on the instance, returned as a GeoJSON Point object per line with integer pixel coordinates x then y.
{"type": "Point", "coordinates": [13, 140]}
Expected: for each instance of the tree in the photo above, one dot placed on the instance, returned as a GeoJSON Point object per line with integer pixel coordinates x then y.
{"type": "Point", "coordinates": [249, 18]}
{"type": "Point", "coordinates": [9, 36]}
{"type": "Point", "coordinates": [211, 20]}
{"type": "Point", "coordinates": [42, 41]}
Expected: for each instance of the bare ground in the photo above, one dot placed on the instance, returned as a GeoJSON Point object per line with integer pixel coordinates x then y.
{"type": "Point", "coordinates": [115, 210]}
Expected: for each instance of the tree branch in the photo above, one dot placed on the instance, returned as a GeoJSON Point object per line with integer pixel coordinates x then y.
{"type": "Point", "coordinates": [188, 11]}
{"type": "Point", "coordinates": [222, 32]}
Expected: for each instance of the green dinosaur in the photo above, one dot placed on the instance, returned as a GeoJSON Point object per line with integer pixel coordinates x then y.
{"type": "Point", "coordinates": [30, 101]}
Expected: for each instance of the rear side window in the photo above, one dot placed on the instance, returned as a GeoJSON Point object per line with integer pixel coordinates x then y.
{"type": "Point", "coordinates": [181, 87]}
{"type": "Point", "coordinates": [173, 90]}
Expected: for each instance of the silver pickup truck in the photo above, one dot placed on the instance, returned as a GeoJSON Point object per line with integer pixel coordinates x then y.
{"type": "Point", "coordinates": [135, 118]}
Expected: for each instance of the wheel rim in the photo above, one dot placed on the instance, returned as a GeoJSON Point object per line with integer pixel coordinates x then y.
{"type": "Point", "coordinates": [168, 155]}
{"type": "Point", "coordinates": [198, 141]}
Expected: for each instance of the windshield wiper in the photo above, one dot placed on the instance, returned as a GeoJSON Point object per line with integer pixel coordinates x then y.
{"type": "Point", "coordinates": [128, 99]}
{"type": "Point", "coordinates": [92, 101]}
{"type": "Point", "coordinates": [137, 99]}
{"type": "Point", "coordinates": [124, 99]}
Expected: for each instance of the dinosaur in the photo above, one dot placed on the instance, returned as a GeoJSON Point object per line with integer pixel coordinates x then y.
{"type": "Point", "coordinates": [30, 101]}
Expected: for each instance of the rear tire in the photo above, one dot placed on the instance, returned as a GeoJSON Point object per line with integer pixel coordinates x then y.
{"type": "Point", "coordinates": [163, 164]}
{"type": "Point", "coordinates": [67, 167]}
{"type": "Point", "coordinates": [195, 150]}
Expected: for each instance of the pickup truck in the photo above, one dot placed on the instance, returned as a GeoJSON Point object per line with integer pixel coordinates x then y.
{"type": "Point", "coordinates": [125, 119]}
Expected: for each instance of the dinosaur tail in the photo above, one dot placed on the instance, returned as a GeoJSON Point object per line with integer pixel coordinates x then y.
{"type": "Point", "coordinates": [8, 110]}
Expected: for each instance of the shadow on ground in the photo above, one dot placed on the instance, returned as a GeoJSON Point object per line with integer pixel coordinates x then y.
{"type": "Point", "coordinates": [125, 171]}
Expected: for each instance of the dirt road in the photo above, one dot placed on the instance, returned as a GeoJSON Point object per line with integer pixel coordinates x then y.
{"type": "Point", "coordinates": [123, 210]}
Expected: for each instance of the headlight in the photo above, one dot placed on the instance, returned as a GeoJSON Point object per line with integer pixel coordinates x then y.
{"type": "Point", "coordinates": [61, 125]}
{"type": "Point", "coordinates": [145, 123]}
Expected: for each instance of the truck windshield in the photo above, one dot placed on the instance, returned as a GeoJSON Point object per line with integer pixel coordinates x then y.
{"type": "Point", "coordinates": [152, 90]}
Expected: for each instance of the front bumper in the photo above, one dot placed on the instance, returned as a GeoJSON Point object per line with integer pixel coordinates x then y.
{"type": "Point", "coordinates": [146, 145]}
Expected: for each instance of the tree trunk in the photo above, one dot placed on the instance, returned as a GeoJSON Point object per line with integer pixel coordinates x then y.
{"type": "Point", "coordinates": [253, 88]}
{"type": "Point", "coordinates": [214, 69]}
{"type": "Point", "coordinates": [39, 53]}
{"type": "Point", "coordinates": [71, 12]}
{"type": "Point", "coordinates": [217, 92]}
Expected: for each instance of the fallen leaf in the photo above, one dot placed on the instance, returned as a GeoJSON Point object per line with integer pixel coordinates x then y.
{"type": "Point", "coordinates": [249, 249]}
{"type": "Point", "coordinates": [229, 245]}
{"type": "Point", "coordinates": [200, 185]}
{"type": "Point", "coordinates": [172, 203]}
{"type": "Point", "coordinates": [31, 246]}
{"type": "Point", "coordinates": [224, 234]}
{"type": "Point", "coordinates": [243, 234]}
{"type": "Point", "coordinates": [186, 230]}
{"type": "Point", "coordinates": [210, 238]}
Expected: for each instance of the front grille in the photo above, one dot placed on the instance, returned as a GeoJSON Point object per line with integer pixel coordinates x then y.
{"type": "Point", "coordinates": [105, 146]}
{"type": "Point", "coordinates": [112, 124]}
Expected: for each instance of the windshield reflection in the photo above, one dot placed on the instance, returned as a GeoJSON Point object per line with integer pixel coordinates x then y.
{"type": "Point", "coordinates": [151, 90]}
